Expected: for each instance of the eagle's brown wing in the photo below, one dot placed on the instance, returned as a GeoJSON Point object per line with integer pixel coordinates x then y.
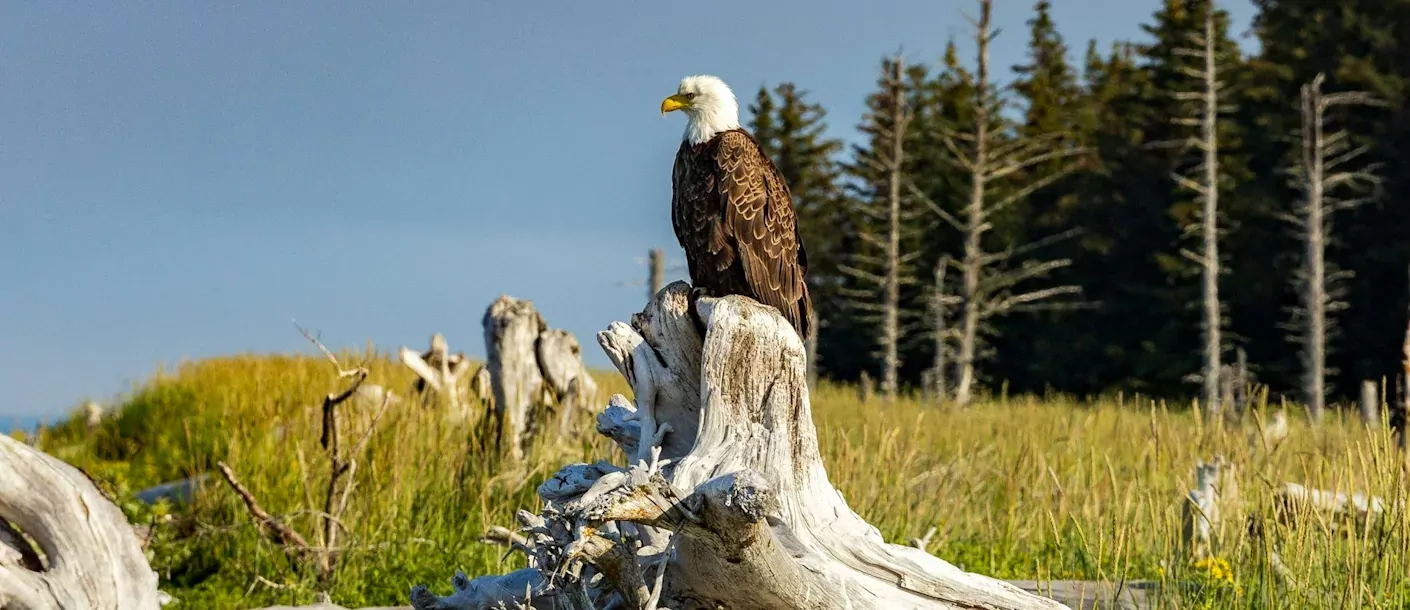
{"type": "Point", "coordinates": [759, 219]}
{"type": "Point", "coordinates": [696, 218]}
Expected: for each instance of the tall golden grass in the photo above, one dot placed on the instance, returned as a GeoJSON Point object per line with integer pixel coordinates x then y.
{"type": "Point", "coordinates": [1021, 488]}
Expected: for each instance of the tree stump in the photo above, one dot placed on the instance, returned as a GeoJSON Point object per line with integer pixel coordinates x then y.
{"type": "Point", "coordinates": [561, 362]}
{"type": "Point", "coordinates": [531, 364]}
{"type": "Point", "coordinates": [93, 557]}
{"type": "Point", "coordinates": [728, 505]}
{"type": "Point", "coordinates": [512, 328]}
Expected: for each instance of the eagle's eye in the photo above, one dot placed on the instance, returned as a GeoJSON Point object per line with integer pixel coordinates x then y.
{"type": "Point", "coordinates": [690, 96]}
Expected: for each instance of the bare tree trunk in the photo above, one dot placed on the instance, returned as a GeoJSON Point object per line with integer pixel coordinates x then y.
{"type": "Point", "coordinates": [1200, 511]}
{"type": "Point", "coordinates": [1241, 381]}
{"type": "Point", "coordinates": [1321, 154]}
{"type": "Point", "coordinates": [940, 332]}
{"type": "Point", "coordinates": [512, 328]}
{"type": "Point", "coordinates": [987, 289]}
{"type": "Point", "coordinates": [812, 347]}
{"type": "Point", "coordinates": [885, 269]}
{"type": "Point", "coordinates": [657, 278]}
{"type": "Point", "coordinates": [975, 216]}
{"type": "Point", "coordinates": [1206, 186]}
{"type": "Point", "coordinates": [561, 362]}
{"type": "Point", "coordinates": [746, 514]}
{"type": "Point", "coordinates": [1315, 295]}
{"type": "Point", "coordinates": [1209, 128]}
{"type": "Point", "coordinates": [1370, 405]}
{"type": "Point", "coordinates": [891, 316]}
{"type": "Point", "coordinates": [438, 373]}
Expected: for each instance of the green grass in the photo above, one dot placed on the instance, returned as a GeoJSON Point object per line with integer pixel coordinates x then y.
{"type": "Point", "coordinates": [1019, 488]}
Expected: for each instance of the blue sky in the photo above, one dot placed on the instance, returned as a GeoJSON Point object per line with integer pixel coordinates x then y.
{"type": "Point", "coordinates": [182, 179]}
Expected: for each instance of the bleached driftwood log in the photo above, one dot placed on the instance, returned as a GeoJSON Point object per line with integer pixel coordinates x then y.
{"type": "Point", "coordinates": [93, 558]}
{"type": "Point", "coordinates": [438, 372]}
{"type": "Point", "coordinates": [1295, 500]}
{"type": "Point", "coordinates": [731, 506]}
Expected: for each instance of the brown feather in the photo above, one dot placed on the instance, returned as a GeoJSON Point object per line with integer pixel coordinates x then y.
{"type": "Point", "coordinates": [733, 214]}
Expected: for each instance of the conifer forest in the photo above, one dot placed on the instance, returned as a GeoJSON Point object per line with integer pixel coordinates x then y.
{"type": "Point", "coordinates": [1134, 221]}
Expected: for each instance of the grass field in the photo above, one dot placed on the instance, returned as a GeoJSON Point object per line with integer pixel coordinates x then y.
{"type": "Point", "coordinates": [1017, 488]}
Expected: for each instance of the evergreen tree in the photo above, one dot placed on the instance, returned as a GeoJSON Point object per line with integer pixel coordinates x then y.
{"type": "Point", "coordinates": [1047, 84]}
{"type": "Point", "coordinates": [1168, 115]}
{"type": "Point", "coordinates": [1053, 105]}
{"type": "Point", "coordinates": [792, 131]}
{"type": "Point", "coordinates": [1360, 46]}
{"type": "Point", "coordinates": [1143, 332]}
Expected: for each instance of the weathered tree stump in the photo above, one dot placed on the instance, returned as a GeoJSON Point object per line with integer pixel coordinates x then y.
{"type": "Point", "coordinates": [512, 328]}
{"type": "Point", "coordinates": [728, 504]}
{"type": "Point", "coordinates": [561, 362]}
{"type": "Point", "coordinates": [92, 556]}
{"type": "Point", "coordinates": [531, 365]}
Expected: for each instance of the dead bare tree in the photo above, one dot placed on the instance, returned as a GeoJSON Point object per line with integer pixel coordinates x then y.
{"type": "Point", "coordinates": [884, 274]}
{"type": "Point", "coordinates": [656, 278]}
{"type": "Point", "coordinates": [1205, 95]}
{"type": "Point", "coordinates": [990, 282]}
{"type": "Point", "coordinates": [1322, 174]}
{"type": "Point", "coordinates": [323, 553]}
{"type": "Point", "coordinates": [941, 334]}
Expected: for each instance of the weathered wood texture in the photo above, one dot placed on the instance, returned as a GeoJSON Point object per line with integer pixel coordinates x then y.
{"type": "Point", "coordinates": [512, 328]}
{"type": "Point", "coordinates": [560, 360]}
{"type": "Point", "coordinates": [438, 373]}
{"type": "Point", "coordinates": [729, 496]}
{"type": "Point", "coordinates": [94, 560]}
{"type": "Point", "coordinates": [531, 365]}
{"type": "Point", "coordinates": [1093, 595]}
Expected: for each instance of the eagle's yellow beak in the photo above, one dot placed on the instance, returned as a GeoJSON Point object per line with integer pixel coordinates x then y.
{"type": "Point", "coordinates": [675, 102]}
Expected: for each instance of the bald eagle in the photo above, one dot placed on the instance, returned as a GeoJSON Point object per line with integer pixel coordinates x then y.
{"type": "Point", "coordinates": [731, 208]}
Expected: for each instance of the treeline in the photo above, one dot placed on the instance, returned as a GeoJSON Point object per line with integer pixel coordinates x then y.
{"type": "Point", "coordinates": [1050, 232]}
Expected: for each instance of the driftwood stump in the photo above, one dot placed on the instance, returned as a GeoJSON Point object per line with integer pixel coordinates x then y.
{"type": "Point", "coordinates": [728, 504]}
{"type": "Point", "coordinates": [92, 555]}
{"type": "Point", "coordinates": [531, 365]}
{"type": "Point", "coordinates": [561, 362]}
{"type": "Point", "coordinates": [512, 328]}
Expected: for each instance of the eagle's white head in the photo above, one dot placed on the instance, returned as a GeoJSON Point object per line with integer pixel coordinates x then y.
{"type": "Point", "coordinates": [709, 107]}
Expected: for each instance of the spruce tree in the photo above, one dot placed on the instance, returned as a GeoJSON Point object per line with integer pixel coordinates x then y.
{"type": "Point", "coordinates": [1053, 103]}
